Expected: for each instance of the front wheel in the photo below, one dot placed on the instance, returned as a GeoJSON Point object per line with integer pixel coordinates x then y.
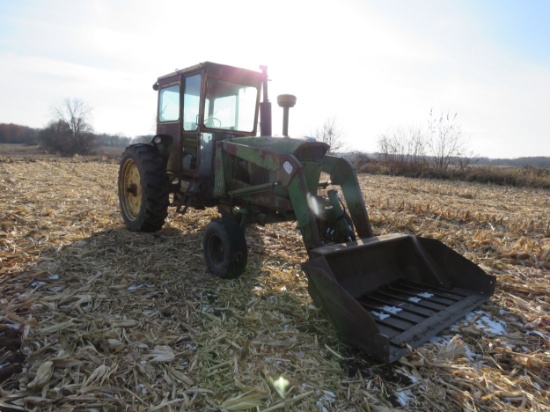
{"type": "Point", "coordinates": [143, 188]}
{"type": "Point", "coordinates": [225, 249]}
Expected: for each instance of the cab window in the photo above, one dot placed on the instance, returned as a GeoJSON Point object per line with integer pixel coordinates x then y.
{"type": "Point", "coordinates": [169, 104]}
{"type": "Point", "coordinates": [191, 102]}
{"type": "Point", "coordinates": [230, 105]}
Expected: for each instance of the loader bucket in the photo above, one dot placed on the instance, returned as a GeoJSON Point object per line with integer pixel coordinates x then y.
{"type": "Point", "coordinates": [390, 293]}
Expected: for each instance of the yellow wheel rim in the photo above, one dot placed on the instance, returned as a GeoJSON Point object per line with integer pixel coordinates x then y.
{"type": "Point", "coordinates": [131, 189]}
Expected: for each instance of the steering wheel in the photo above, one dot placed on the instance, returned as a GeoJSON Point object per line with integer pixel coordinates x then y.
{"type": "Point", "coordinates": [212, 121]}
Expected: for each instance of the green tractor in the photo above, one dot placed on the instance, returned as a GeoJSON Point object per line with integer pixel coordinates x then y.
{"type": "Point", "coordinates": [383, 294]}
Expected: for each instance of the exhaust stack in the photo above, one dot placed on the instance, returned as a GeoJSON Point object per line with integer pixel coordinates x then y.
{"type": "Point", "coordinates": [286, 101]}
{"type": "Point", "coordinates": [265, 106]}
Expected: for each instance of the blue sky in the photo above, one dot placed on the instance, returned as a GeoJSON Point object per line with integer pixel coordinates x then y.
{"type": "Point", "coordinates": [374, 65]}
{"type": "Point", "coordinates": [520, 28]}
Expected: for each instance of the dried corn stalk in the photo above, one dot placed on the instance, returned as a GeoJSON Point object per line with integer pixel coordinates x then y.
{"type": "Point", "coordinates": [113, 320]}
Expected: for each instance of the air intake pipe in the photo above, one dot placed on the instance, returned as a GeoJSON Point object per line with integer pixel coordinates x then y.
{"type": "Point", "coordinates": [286, 101]}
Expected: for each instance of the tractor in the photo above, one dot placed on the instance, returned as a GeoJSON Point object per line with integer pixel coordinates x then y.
{"type": "Point", "coordinates": [383, 294]}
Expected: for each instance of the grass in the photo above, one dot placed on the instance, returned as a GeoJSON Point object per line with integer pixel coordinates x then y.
{"type": "Point", "coordinates": [22, 151]}
{"type": "Point", "coordinates": [527, 176]}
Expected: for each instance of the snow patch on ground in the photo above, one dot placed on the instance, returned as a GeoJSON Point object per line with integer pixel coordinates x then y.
{"type": "Point", "coordinates": [539, 334]}
{"type": "Point", "coordinates": [490, 325]}
{"type": "Point", "coordinates": [403, 397]}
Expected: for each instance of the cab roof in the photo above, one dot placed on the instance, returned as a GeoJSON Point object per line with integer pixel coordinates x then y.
{"type": "Point", "coordinates": [216, 69]}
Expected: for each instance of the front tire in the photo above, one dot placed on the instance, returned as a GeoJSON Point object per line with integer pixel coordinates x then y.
{"type": "Point", "coordinates": [143, 188]}
{"type": "Point", "coordinates": [225, 249]}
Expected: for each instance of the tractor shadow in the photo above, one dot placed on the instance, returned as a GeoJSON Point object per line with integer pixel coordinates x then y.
{"type": "Point", "coordinates": [158, 286]}
{"type": "Point", "coordinates": [157, 282]}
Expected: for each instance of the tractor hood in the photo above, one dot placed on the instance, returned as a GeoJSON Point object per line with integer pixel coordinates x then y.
{"type": "Point", "coordinates": [303, 148]}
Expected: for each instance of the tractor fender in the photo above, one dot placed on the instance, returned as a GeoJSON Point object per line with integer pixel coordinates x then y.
{"type": "Point", "coordinates": [163, 144]}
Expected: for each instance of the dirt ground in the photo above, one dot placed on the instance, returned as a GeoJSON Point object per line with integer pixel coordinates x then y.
{"type": "Point", "coordinates": [93, 317]}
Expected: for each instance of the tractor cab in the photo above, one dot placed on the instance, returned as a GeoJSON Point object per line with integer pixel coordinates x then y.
{"type": "Point", "coordinates": [200, 105]}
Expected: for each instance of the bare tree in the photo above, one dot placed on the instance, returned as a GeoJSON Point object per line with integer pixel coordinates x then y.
{"type": "Point", "coordinates": [446, 141]}
{"type": "Point", "coordinates": [331, 133]}
{"type": "Point", "coordinates": [402, 149]}
{"type": "Point", "coordinates": [439, 147]}
{"type": "Point", "coordinates": [70, 132]}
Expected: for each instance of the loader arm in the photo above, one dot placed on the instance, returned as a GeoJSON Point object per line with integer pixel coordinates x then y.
{"type": "Point", "coordinates": [287, 181]}
{"type": "Point", "coordinates": [343, 174]}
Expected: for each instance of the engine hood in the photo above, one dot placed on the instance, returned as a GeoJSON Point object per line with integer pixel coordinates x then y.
{"type": "Point", "coordinates": [287, 145]}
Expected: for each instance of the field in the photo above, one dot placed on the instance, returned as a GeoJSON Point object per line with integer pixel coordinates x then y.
{"type": "Point", "coordinates": [93, 317]}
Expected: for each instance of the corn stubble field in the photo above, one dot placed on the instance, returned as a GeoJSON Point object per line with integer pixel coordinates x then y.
{"type": "Point", "coordinates": [96, 318]}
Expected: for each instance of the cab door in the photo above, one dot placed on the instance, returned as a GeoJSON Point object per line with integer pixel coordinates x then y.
{"type": "Point", "coordinates": [168, 120]}
{"type": "Point", "coordinates": [192, 87]}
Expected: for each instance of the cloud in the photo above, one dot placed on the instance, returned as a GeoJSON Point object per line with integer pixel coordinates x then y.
{"type": "Point", "coordinates": [373, 65]}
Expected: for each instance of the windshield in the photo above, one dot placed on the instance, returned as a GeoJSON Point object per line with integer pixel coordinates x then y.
{"type": "Point", "coordinates": [230, 106]}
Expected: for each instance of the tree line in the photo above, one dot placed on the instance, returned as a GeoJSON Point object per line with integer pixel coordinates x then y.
{"type": "Point", "coordinates": [533, 161]}
{"type": "Point", "coordinates": [20, 134]}
{"type": "Point", "coordinates": [69, 132]}
{"type": "Point", "coordinates": [439, 146]}
{"type": "Point", "coordinates": [15, 133]}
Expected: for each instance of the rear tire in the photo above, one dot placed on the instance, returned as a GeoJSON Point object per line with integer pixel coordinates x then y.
{"type": "Point", "coordinates": [143, 188]}
{"type": "Point", "coordinates": [225, 249]}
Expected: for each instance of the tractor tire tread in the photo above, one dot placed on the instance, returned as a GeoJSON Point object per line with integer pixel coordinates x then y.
{"type": "Point", "coordinates": [229, 232]}
{"type": "Point", "coordinates": [155, 187]}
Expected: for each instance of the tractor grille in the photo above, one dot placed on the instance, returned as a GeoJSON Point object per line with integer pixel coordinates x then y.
{"type": "Point", "coordinates": [249, 173]}
{"type": "Point", "coordinates": [259, 175]}
{"type": "Point", "coordinates": [311, 152]}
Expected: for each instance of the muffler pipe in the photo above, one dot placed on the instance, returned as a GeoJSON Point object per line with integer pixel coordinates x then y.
{"type": "Point", "coordinates": [265, 106]}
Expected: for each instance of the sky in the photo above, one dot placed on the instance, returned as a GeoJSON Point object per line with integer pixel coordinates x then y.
{"type": "Point", "coordinates": [372, 65]}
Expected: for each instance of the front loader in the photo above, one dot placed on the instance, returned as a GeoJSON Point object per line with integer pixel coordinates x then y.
{"type": "Point", "coordinates": [383, 294]}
